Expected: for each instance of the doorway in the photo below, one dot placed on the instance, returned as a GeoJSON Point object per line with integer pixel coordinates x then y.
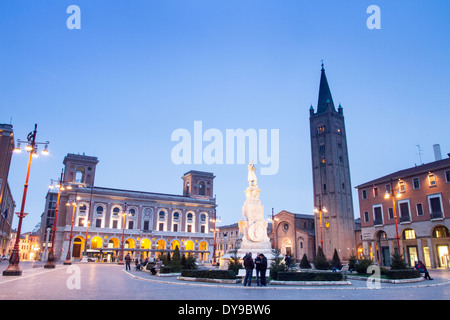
{"type": "Point", "coordinates": [412, 255]}
{"type": "Point", "coordinates": [443, 256]}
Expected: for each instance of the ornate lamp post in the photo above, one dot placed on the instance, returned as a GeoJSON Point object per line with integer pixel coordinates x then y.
{"type": "Point", "coordinates": [51, 254]}
{"type": "Point", "coordinates": [32, 146]}
{"type": "Point", "coordinates": [319, 210]}
{"type": "Point", "coordinates": [391, 195]}
{"type": "Point", "coordinates": [74, 205]}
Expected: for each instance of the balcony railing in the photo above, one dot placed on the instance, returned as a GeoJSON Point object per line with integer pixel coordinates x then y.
{"type": "Point", "coordinates": [436, 215]}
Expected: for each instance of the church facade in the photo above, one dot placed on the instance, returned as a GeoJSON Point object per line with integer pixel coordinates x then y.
{"type": "Point", "coordinates": [99, 221]}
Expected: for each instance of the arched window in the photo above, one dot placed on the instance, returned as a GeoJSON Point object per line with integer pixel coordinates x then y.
{"type": "Point", "coordinates": [201, 188]}
{"type": "Point", "coordinates": [79, 175]}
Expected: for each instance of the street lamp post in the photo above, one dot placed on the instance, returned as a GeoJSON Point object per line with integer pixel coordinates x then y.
{"type": "Point", "coordinates": [215, 219]}
{"type": "Point", "coordinates": [68, 257]}
{"type": "Point", "coordinates": [319, 210]}
{"type": "Point", "coordinates": [123, 235]}
{"type": "Point", "coordinates": [391, 195]}
{"type": "Point", "coordinates": [51, 254]}
{"type": "Point", "coordinates": [13, 268]}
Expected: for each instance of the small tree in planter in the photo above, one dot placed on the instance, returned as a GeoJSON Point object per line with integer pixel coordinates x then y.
{"type": "Point", "coordinates": [397, 262]}
{"type": "Point", "coordinates": [277, 264]}
{"type": "Point", "coordinates": [336, 262]}
{"type": "Point", "coordinates": [235, 263]}
{"type": "Point", "coordinates": [304, 264]}
{"type": "Point", "coordinates": [320, 262]}
{"type": "Point", "coordinates": [175, 262]}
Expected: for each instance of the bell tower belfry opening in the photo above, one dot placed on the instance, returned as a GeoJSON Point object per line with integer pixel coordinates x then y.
{"type": "Point", "coordinates": [80, 169]}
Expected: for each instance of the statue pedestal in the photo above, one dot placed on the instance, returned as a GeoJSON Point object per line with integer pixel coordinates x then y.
{"type": "Point", "coordinates": [253, 230]}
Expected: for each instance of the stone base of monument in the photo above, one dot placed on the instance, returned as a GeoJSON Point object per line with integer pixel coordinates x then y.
{"type": "Point", "coordinates": [240, 253]}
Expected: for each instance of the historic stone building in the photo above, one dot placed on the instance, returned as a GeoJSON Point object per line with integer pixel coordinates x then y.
{"type": "Point", "coordinates": [150, 222]}
{"type": "Point", "coordinates": [331, 176]}
{"type": "Point", "coordinates": [416, 212]}
{"type": "Point", "coordinates": [7, 204]}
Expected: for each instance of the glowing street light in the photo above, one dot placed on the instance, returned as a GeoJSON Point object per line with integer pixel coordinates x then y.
{"type": "Point", "coordinates": [13, 268]}
{"type": "Point", "coordinates": [398, 196]}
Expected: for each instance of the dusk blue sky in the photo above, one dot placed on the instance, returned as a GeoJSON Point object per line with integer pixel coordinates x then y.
{"type": "Point", "coordinates": [138, 70]}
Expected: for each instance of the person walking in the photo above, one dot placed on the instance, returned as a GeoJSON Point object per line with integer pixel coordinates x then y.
{"type": "Point", "coordinates": [262, 269]}
{"type": "Point", "coordinates": [249, 266]}
{"type": "Point", "coordinates": [127, 262]}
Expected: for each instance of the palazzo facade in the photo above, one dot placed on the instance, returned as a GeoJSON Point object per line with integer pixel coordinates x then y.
{"type": "Point", "coordinates": [151, 223]}
{"type": "Point", "coordinates": [414, 218]}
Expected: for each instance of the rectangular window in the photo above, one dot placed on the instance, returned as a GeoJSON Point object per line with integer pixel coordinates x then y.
{"type": "Point", "coordinates": [366, 216]}
{"type": "Point", "coordinates": [416, 183]}
{"type": "Point", "coordinates": [130, 225]}
{"type": "Point", "coordinates": [391, 213]}
{"type": "Point", "coordinates": [431, 180]}
{"type": "Point", "coordinates": [202, 229]}
{"type": "Point", "coordinates": [375, 191]}
{"type": "Point", "coordinates": [404, 211]}
{"type": "Point", "coordinates": [447, 176]}
{"type": "Point", "coordinates": [146, 225]}
{"type": "Point", "coordinates": [419, 209]}
{"type": "Point", "coordinates": [175, 227]}
{"type": "Point", "coordinates": [364, 194]}
{"type": "Point", "coordinates": [434, 202]}
{"type": "Point", "coordinates": [98, 223]}
{"type": "Point", "coordinates": [189, 228]}
{"type": "Point", "coordinates": [161, 226]}
{"type": "Point", "coordinates": [377, 215]}
{"type": "Point", "coordinates": [114, 224]}
{"type": "Point", "coordinates": [401, 186]}
{"type": "Point", "coordinates": [388, 188]}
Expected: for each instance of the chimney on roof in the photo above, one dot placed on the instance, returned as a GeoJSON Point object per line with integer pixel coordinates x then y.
{"type": "Point", "coordinates": [437, 152]}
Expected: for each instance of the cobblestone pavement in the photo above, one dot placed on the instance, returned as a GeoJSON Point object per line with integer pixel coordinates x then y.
{"type": "Point", "coordinates": [95, 281]}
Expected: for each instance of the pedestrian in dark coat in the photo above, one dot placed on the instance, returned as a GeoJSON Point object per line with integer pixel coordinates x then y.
{"type": "Point", "coordinates": [127, 262]}
{"type": "Point", "coordinates": [263, 268]}
{"type": "Point", "coordinates": [258, 269]}
{"type": "Point", "coordinates": [249, 266]}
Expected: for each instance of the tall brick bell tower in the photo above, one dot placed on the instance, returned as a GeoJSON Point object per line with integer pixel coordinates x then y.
{"type": "Point", "coordinates": [331, 176]}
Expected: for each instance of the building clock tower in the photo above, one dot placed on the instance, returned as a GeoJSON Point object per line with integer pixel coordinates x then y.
{"type": "Point", "coordinates": [331, 176]}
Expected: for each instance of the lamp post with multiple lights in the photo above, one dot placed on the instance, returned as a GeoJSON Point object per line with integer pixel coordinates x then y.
{"type": "Point", "coordinates": [74, 205]}
{"type": "Point", "coordinates": [391, 194]}
{"type": "Point", "coordinates": [51, 254]}
{"type": "Point", "coordinates": [13, 268]}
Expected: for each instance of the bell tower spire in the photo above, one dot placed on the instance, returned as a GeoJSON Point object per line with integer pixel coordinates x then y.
{"type": "Point", "coordinates": [325, 101]}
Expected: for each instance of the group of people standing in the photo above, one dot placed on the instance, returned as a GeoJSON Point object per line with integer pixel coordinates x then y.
{"type": "Point", "coordinates": [260, 264]}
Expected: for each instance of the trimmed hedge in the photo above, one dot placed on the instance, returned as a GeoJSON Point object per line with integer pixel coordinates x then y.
{"type": "Point", "coordinates": [209, 274]}
{"type": "Point", "coordinates": [402, 274]}
{"type": "Point", "coordinates": [310, 276]}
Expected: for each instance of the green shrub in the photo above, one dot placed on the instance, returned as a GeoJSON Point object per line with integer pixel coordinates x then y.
{"type": "Point", "coordinates": [397, 262]}
{"type": "Point", "coordinates": [403, 274]}
{"type": "Point", "coordinates": [304, 264]}
{"type": "Point", "coordinates": [362, 265]}
{"type": "Point", "coordinates": [310, 276]}
{"type": "Point", "coordinates": [336, 263]}
{"type": "Point", "coordinates": [235, 263]}
{"type": "Point", "coordinates": [276, 265]}
{"type": "Point", "coordinates": [209, 274]}
{"type": "Point", "coordinates": [320, 262]}
{"type": "Point", "coordinates": [166, 269]}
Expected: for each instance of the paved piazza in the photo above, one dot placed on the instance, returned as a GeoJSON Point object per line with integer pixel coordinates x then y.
{"type": "Point", "coordinates": [94, 281]}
